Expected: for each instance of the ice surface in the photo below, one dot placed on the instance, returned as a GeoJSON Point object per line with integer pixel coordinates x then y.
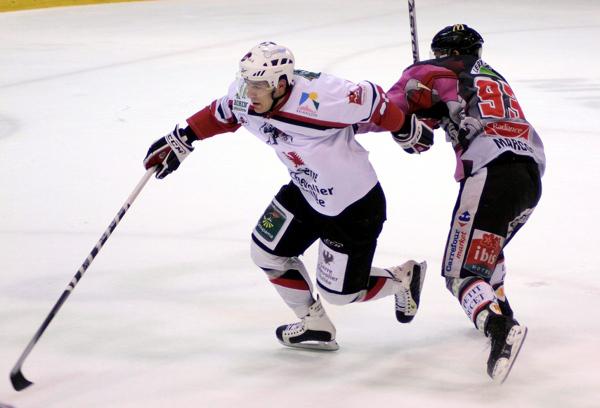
{"type": "Point", "coordinates": [173, 313]}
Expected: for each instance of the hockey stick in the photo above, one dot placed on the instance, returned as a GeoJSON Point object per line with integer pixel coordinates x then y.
{"type": "Point", "coordinates": [412, 15]}
{"type": "Point", "coordinates": [17, 378]}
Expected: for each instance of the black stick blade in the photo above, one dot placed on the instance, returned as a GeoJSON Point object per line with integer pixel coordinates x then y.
{"type": "Point", "coordinates": [19, 381]}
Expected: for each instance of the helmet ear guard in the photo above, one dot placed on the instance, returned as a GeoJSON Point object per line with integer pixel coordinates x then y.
{"type": "Point", "coordinates": [268, 62]}
{"type": "Point", "coordinates": [458, 37]}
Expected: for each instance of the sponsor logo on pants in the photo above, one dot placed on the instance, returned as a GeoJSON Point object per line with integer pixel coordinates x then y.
{"type": "Point", "coordinates": [483, 253]}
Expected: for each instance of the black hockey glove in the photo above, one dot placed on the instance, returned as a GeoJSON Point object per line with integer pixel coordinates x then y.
{"type": "Point", "coordinates": [415, 136]}
{"type": "Point", "coordinates": [169, 151]}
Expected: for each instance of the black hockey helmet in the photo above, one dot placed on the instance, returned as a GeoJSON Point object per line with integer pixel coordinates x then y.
{"type": "Point", "coordinates": [457, 37]}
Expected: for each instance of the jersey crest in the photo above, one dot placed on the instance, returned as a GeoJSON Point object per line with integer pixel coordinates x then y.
{"type": "Point", "coordinates": [294, 158]}
{"type": "Point", "coordinates": [272, 134]}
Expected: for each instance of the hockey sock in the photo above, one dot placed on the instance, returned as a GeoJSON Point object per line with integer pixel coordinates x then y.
{"type": "Point", "coordinates": [294, 288]}
{"type": "Point", "coordinates": [380, 285]}
{"type": "Point", "coordinates": [497, 282]}
{"type": "Point", "coordinates": [476, 297]}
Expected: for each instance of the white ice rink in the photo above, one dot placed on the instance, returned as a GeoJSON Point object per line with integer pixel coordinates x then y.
{"type": "Point", "coordinates": [173, 313]}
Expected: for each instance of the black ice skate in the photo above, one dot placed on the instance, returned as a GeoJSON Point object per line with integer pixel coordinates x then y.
{"type": "Point", "coordinates": [505, 307]}
{"type": "Point", "coordinates": [412, 275]}
{"type": "Point", "coordinates": [314, 331]}
{"type": "Point", "coordinates": [506, 336]}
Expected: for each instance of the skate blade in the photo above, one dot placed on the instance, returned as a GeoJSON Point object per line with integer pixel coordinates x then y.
{"type": "Point", "coordinates": [504, 366]}
{"type": "Point", "coordinates": [314, 345]}
{"type": "Point", "coordinates": [423, 266]}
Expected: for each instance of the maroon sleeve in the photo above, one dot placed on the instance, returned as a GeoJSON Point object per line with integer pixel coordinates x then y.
{"type": "Point", "coordinates": [387, 115]}
{"type": "Point", "coordinates": [422, 86]}
{"type": "Point", "coordinates": [205, 123]}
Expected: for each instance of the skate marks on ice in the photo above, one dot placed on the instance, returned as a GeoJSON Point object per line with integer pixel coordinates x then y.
{"type": "Point", "coordinates": [8, 126]}
{"type": "Point", "coordinates": [584, 91]}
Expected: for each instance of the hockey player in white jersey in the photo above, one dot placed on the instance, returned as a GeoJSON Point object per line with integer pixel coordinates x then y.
{"type": "Point", "coordinates": [334, 195]}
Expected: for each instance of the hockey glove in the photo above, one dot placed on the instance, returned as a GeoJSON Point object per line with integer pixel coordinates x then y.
{"type": "Point", "coordinates": [469, 128]}
{"type": "Point", "coordinates": [415, 136]}
{"type": "Point", "coordinates": [168, 152]}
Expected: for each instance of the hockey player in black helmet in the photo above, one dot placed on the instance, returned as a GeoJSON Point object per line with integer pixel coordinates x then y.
{"type": "Point", "coordinates": [458, 39]}
{"type": "Point", "coordinates": [499, 163]}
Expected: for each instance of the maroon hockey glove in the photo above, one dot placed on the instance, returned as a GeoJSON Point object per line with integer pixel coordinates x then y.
{"type": "Point", "coordinates": [415, 136]}
{"type": "Point", "coordinates": [169, 151]}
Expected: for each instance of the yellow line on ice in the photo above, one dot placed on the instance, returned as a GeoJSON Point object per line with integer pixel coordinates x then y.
{"type": "Point", "coordinates": [14, 5]}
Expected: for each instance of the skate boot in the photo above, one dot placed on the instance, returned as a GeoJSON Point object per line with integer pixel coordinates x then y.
{"type": "Point", "coordinates": [506, 336]}
{"type": "Point", "coordinates": [314, 331]}
{"type": "Point", "coordinates": [412, 275]}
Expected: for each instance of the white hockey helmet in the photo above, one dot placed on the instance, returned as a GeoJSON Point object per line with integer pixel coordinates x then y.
{"type": "Point", "coordinates": [268, 62]}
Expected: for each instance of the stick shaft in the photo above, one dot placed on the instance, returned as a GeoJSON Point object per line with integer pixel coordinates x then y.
{"type": "Point", "coordinates": [17, 378]}
{"type": "Point", "coordinates": [412, 15]}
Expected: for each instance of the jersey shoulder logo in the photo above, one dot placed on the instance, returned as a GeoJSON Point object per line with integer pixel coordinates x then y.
{"type": "Point", "coordinates": [309, 104]}
{"type": "Point", "coordinates": [355, 95]}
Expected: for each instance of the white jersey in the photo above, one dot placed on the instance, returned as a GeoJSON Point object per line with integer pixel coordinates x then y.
{"type": "Point", "coordinates": [312, 134]}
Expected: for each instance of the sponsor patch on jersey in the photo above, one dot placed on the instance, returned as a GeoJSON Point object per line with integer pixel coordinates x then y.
{"type": "Point", "coordinates": [309, 104]}
{"type": "Point", "coordinates": [356, 95]}
{"type": "Point", "coordinates": [331, 268]}
{"type": "Point", "coordinates": [483, 253]}
{"type": "Point", "coordinates": [240, 105]}
{"type": "Point", "coordinates": [481, 67]}
{"type": "Point", "coordinates": [507, 129]}
{"type": "Point", "coordinates": [272, 225]}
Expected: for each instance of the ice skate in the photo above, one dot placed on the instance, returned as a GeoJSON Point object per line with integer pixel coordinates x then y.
{"type": "Point", "coordinates": [314, 331]}
{"type": "Point", "coordinates": [411, 275]}
{"type": "Point", "coordinates": [506, 337]}
{"type": "Point", "coordinates": [505, 308]}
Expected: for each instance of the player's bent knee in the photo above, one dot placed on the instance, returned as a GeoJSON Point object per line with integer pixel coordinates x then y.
{"type": "Point", "coordinates": [265, 260]}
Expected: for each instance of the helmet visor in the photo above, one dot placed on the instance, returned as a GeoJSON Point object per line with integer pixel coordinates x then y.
{"type": "Point", "coordinates": [257, 87]}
